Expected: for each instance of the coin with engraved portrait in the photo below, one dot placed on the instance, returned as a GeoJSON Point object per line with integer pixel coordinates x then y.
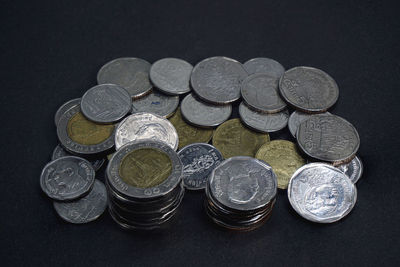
{"type": "Point", "coordinates": [64, 107]}
{"type": "Point", "coordinates": [157, 103]}
{"type": "Point", "coordinates": [264, 65]}
{"type": "Point", "coordinates": [353, 169]}
{"type": "Point", "coordinates": [59, 152]}
{"type": "Point", "coordinates": [296, 118]}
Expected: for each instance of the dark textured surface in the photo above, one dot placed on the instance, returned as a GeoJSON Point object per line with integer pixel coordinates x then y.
{"type": "Point", "coordinates": [51, 52]}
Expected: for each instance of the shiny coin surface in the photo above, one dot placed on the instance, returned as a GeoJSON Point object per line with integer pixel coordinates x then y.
{"type": "Point", "coordinates": [59, 152]}
{"type": "Point", "coordinates": [321, 193]}
{"type": "Point", "coordinates": [64, 107]}
{"type": "Point", "coordinates": [284, 159]}
{"type": "Point", "coordinates": [232, 138]}
{"type": "Point", "coordinates": [171, 75]}
{"type": "Point", "coordinates": [198, 162]}
{"type": "Point", "coordinates": [204, 114]}
{"type": "Point", "coordinates": [353, 169]}
{"type": "Point", "coordinates": [141, 126]}
{"type": "Point", "coordinates": [264, 65]}
{"type": "Point", "coordinates": [85, 209]}
{"type": "Point", "coordinates": [67, 178]}
{"type": "Point", "coordinates": [308, 89]}
{"type": "Point", "coordinates": [130, 73]}
{"type": "Point", "coordinates": [263, 122]}
{"type": "Point", "coordinates": [156, 103]}
{"type": "Point", "coordinates": [296, 118]}
{"type": "Point", "coordinates": [217, 79]}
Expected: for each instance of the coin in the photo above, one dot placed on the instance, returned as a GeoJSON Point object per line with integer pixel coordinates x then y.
{"type": "Point", "coordinates": [296, 118]}
{"type": "Point", "coordinates": [171, 75]}
{"type": "Point", "coordinates": [198, 161]}
{"type": "Point", "coordinates": [59, 152]}
{"type": "Point", "coordinates": [141, 126]}
{"type": "Point", "coordinates": [64, 107]}
{"type": "Point", "coordinates": [67, 178]}
{"type": "Point", "coordinates": [129, 72]}
{"type": "Point", "coordinates": [263, 122]}
{"type": "Point", "coordinates": [85, 209]}
{"type": "Point", "coordinates": [321, 193]}
{"type": "Point", "coordinates": [353, 169]}
{"type": "Point", "coordinates": [156, 103]}
{"type": "Point", "coordinates": [204, 114]}
{"type": "Point", "coordinates": [308, 89]}
{"type": "Point", "coordinates": [217, 79]}
{"type": "Point", "coordinates": [234, 139]}
{"type": "Point", "coordinates": [264, 65]}
{"type": "Point", "coordinates": [284, 159]}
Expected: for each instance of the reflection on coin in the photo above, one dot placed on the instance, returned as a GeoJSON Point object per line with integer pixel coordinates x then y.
{"type": "Point", "coordinates": [85, 209]}
{"type": "Point", "coordinates": [234, 139]}
{"type": "Point", "coordinates": [296, 118]}
{"type": "Point", "coordinates": [264, 65]}
{"type": "Point", "coordinates": [64, 107]}
{"type": "Point", "coordinates": [157, 103]}
{"type": "Point", "coordinates": [59, 152]}
{"type": "Point", "coordinates": [353, 169]}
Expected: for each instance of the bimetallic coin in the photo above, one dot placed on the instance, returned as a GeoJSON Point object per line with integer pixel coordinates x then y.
{"type": "Point", "coordinates": [85, 209]}
{"type": "Point", "coordinates": [321, 193]}
{"type": "Point", "coordinates": [204, 114]}
{"type": "Point", "coordinates": [308, 89]}
{"type": "Point", "coordinates": [353, 169]}
{"type": "Point", "coordinates": [218, 79]}
{"type": "Point", "coordinates": [284, 159]}
{"type": "Point", "coordinates": [264, 65]}
{"type": "Point", "coordinates": [59, 152]}
{"type": "Point", "coordinates": [156, 103]}
{"type": "Point", "coordinates": [296, 118]}
{"type": "Point", "coordinates": [232, 138]}
{"type": "Point", "coordinates": [64, 107]}
{"type": "Point", "coordinates": [198, 162]}
{"type": "Point", "coordinates": [171, 75]}
{"type": "Point", "coordinates": [67, 178]}
{"type": "Point", "coordinates": [144, 126]}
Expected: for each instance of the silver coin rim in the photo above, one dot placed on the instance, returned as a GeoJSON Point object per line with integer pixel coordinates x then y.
{"type": "Point", "coordinates": [95, 167]}
{"type": "Point", "coordinates": [65, 107]}
{"type": "Point", "coordinates": [263, 58]}
{"type": "Point", "coordinates": [360, 173]}
{"type": "Point", "coordinates": [290, 125]}
{"type": "Point", "coordinates": [167, 114]}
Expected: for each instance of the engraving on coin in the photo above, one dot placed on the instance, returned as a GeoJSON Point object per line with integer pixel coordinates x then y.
{"type": "Point", "coordinates": [64, 107]}
{"type": "Point", "coordinates": [157, 103]}
{"type": "Point", "coordinates": [59, 152]}
{"type": "Point", "coordinates": [296, 118]}
{"type": "Point", "coordinates": [353, 169]}
{"type": "Point", "coordinates": [264, 65]}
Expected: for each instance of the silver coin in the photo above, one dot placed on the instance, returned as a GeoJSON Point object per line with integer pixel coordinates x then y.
{"type": "Point", "coordinates": [59, 152]}
{"type": "Point", "coordinates": [67, 178]}
{"type": "Point", "coordinates": [218, 79]}
{"type": "Point", "coordinates": [64, 107]}
{"type": "Point", "coordinates": [260, 91]}
{"type": "Point", "coordinates": [263, 122]}
{"type": "Point", "coordinates": [264, 65]}
{"type": "Point", "coordinates": [198, 159]}
{"type": "Point", "coordinates": [85, 209]}
{"type": "Point", "coordinates": [328, 138]}
{"type": "Point", "coordinates": [145, 126]}
{"type": "Point", "coordinates": [129, 72]}
{"type": "Point", "coordinates": [321, 193]}
{"type": "Point", "coordinates": [157, 103]}
{"type": "Point", "coordinates": [171, 75]}
{"type": "Point", "coordinates": [204, 114]}
{"type": "Point", "coordinates": [353, 169]}
{"type": "Point", "coordinates": [296, 118]}
{"type": "Point", "coordinates": [308, 89]}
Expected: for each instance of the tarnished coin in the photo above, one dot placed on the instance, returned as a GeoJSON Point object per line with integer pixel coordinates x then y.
{"type": "Point", "coordinates": [328, 138]}
{"type": "Point", "coordinates": [64, 107]}
{"type": "Point", "coordinates": [156, 103]}
{"type": "Point", "coordinates": [260, 91]}
{"type": "Point", "coordinates": [284, 159]}
{"type": "Point", "coordinates": [204, 114]}
{"type": "Point", "coordinates": [263, 122]}
{"type": "Point", "coordinates": [141, 126]}
{"type": "Point", "coordinates": [67, 178]}
{"type": "Point", "coordinates": [198, 162]}
{"type": "Point", "coordinates": [353, 169]}
{"type": "Point", "coordinates": [129, 72]}
{"type": "Point", "coordinates": [321, 193]}
{"type": "Point", "coordinates": [296, 118]}
{"type": "Point", "coordinates": [264, 65]}
{"type": "Point", "coordinates": [189, 134]}
{"type": "Point", "coordinates": [85, 209]}
{"type": "Point", "coordinates": [171, 75]}
{"type": "Point", "coordinates": [218, 79]}
{"type": "Point", "coordinates": [59, 152]}
{"type": "Point", "coordinates": [232, 138]}
{"type": "Point", "coordinates": [308, 89]}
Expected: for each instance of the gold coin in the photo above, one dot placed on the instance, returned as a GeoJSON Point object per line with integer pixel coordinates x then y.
{"type": "Point", "coordinates": [86, 132]}
{"type": "Point", "coordinates": [145, 167]}
{"type": "Point", "coordinates": [232, 138]}
{"type": "Point", "coordinates": [189, 134]}
{"type": "Point", "coordinates": [284, 159]}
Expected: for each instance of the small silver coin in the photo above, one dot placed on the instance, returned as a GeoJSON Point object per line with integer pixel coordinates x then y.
{"type": "Point", "coordinates": [129, 72]}
{"type": "Point", "coordinates": [218, 79]}
{"type": "Point", "coordinates": [296, 118]}
{"type": "Point", "coordinates": [64, 107]}
{"type": "Point", "coordinates": [353, 169]}
{"type": "Point", "coordinates": [198, 159]}
{"type": "Point", "coordinates": [59, 152]}
{"type": "Point", "coordinates": [67, 178]}
{"type": "Point", "coordinates": [203, 114]}
{"type": "Point", "coordinates": [263, 122]}
{"type": "Point", "coordinates": [171, 75]}
{"type": "Point", "coordinates": [321, 193]}
{"type": "Point", "coordinates": [85, 209]}
{"type": "Point", "coordinates": [156, 103]}
{"type": "Point", "coordinates": [264, 65]}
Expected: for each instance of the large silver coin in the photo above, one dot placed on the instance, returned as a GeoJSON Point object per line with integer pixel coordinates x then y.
{"type": "Point", "coordinates": [264, 65]}
{"type": "Point", "coordinates": [296, 118]}
{"type": "Point", "coordinates": [198, 159]}
{"type": "Point", "coordinates": [328, 138]}
{"type": "Point", "coordinates": [321, 193]}
{"type": "Point", "coordinates": [263, 122]}
{"type": "Point", "coordinates": [218, 79]}
{"type": "Point", "coordinates": [67, 178]}
{"type": "Point", "coordinates": [85, 209]}
{"type": "Point", "coordinates": [171, 75]}
{"type": "Point", "coordinates": [129, 72]}
{"type": "Point", "coordinates": [64, 107]}
{"type": "Point", "coordinates": [308, 89]}
{"type": "Point", "coordinates": [204, 114]}
{"type": "Point", "coordinates": [157, 103]}
{"type": "Point", "coordinates": [353, 169]}
{"type": "Point", "coordinates": [260, 91]}
{"type": "Point", "coordinates": [141, 126]}
{"type": "Point", "coordinates": [59, 152]}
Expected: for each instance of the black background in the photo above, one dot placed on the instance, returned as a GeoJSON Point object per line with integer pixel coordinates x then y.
{"type": "Point", "coordinates": [51, 52]}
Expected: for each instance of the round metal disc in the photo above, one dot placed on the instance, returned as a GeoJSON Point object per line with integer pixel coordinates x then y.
{"type": "Point", "coordinates": [157, 103]}
{"type": "Point", "coordinates": [264, 65]}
